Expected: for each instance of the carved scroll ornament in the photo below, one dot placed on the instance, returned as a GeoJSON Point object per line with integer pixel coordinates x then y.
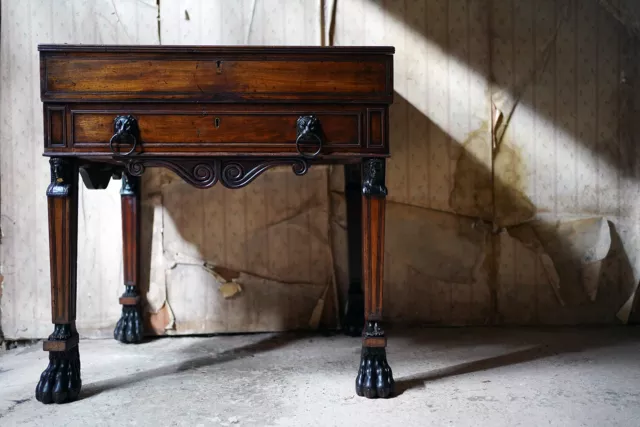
{"type": "Point", "coordinates": [204, 173]}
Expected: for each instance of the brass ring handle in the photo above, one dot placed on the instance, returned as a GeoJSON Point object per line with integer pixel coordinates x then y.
{"type": "Point", "coordinates": [308, 127]}
{"type": "Point", "coordinates": [124, 126]}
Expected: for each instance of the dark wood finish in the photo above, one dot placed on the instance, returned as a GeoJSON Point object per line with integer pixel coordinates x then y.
{"type": "Point", "coordinates": [60, 382]}
{"type": "Point", "coordinates": [130, 204]}
{"type": "Point", "coordinates": [96, 176]}
{"type": "Point", "coordinates": [60, 345]}
{"type": "Point", "coordinates": [205, 172]}
{"type": "Point", "coordinates": [353, 320]}
{"type": "Point", "coordinates": [129, 328]}
{"type": "Point", "coordinates": [220, 130]}
{"type": "Point", "coordinates": [223, 74]}
{"type": "Point", "coordinates": [375, 378]}
{"type": "Point", "coordinates": [212, 114]}
{"type": "Point", "coordinates": [62, 202]}
{"type": "Point", "coordinates": [374, 342]}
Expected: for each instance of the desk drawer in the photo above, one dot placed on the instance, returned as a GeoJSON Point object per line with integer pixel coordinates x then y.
{"type": "Point", "coordinates": [219, 131]}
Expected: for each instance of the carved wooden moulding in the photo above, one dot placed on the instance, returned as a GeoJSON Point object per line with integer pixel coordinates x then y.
{"type": "Point", "coordinates": [204, 173]}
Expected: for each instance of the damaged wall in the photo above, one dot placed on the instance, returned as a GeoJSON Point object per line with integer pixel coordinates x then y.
{"type": "Point", "coordinates": [513, 177]}
{"type": "Point", "coordinates": [513, 154]}
{"type": "Point", "coordinates": [24, 173]}
{"type": "Point", "coordinates": [214, 260]}
{"type": "Point", "coordinates": [271, 239]}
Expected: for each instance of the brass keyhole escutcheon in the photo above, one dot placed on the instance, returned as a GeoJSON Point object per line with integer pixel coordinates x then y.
{"type": "Point", "coordinates": [218, 67]}
{"type": "Point", "coordinates": [216, 122]}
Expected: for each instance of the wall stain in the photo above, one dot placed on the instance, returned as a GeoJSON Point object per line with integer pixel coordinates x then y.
{"type": "Point", "coordinates": [511, 205]}
{"type": "Point", "coordinates": [471, 194]}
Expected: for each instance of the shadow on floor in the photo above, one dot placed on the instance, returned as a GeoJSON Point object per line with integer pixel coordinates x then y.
{"type": "Point", "coordinates": [517, 345]}
{"type": "Point", "coordinates": [262, 346]}
{"type": "Point", "coordinates": [420, 380]}
{"type": "Point", "coordinates": [542, 343]}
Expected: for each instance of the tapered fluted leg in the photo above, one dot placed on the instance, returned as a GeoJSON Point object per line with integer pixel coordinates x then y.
{"type": "Point", "coordinates": [375, 378]}
{"type": "Point", "coordinates": [129, 328]}
{"type": "Point", "coordinates": [61, 382]}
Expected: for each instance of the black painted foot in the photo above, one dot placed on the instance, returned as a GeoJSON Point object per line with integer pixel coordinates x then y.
{"type": "Point", "coordinates": [375, 378]}
{"type": "Point", "coordinates": [129, 329]}
{"type": "Point", "coordinates": [60, 382]}
{"type": "Point", "coordinates": [353, 321]}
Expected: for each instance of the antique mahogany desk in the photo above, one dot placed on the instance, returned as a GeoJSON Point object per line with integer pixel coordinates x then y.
{"type": "Point", "coordinates": [213, 115]}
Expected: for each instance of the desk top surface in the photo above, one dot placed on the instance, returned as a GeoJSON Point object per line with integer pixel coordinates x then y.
{"type": "Point", "coordinates": [333, 50]}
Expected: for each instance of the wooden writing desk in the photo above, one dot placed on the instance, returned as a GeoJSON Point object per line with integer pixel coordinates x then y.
{"type": "Point", "coordinates": [213, 115]}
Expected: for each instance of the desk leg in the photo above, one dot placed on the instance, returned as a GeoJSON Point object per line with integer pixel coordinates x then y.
{"type": "Point", "coordinates": [129, 328]}
{"type": "Point", "coordinates": [375, 378]}
{"type": "Point", "coordinates": [353, 320]}
{"type": "Point", "coordinates": [60, 382]}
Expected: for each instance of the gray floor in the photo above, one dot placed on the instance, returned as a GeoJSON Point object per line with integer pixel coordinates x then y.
{"type": "Point", "coordinates": [446, 377]}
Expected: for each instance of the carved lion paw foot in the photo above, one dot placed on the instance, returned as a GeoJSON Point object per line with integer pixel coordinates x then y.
{"type": "Point", "coordinates": [129, 328]}
{"type": "Point", "coordinates": [60, 382]}
{"type": "Point", "coordinates": [353, 321]}
{"type": "Point", "coordinates": [374, 376]}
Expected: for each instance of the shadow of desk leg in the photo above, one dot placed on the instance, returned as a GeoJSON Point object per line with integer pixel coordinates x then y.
{"type": "Point", "coordinates": [60, 382]}
{"type": "Point", "coordinates": [374, 378]}
{"type": "Point", "coordinates": [129, 328]}
{"type": "Point", "coordinates": [353, 320]}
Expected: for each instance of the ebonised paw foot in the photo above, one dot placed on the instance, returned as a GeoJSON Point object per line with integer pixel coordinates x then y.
{"type": "Point", "coordinates": [60, 382]}
{"type": "Point", "coordinates": [129, 328]}
{"type": "Point", "coordinates": [374, 376]}
{"type": "Point", "coordinates": [353, 321]}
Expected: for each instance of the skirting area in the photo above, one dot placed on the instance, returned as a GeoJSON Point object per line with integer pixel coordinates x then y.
{"type": "Point", "coordinates": [458, 377]}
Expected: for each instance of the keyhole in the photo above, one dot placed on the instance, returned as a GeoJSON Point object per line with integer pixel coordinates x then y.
{"type": "Point", "coordinates": [216, 122]}
{"type": "Point", "coordinates": [218, 67]}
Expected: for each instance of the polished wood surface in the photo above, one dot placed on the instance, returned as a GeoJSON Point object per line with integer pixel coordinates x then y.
{"type": "Point", "coordinates": [214, 115]}
{"type": "Point", "coordinates": [373, 210]}
{"type": "Point", "coordinates": [129, 328]}
{"type": "Point", "coordinates": [225, 74]}
{"type": "Point", "coordinates": [130, 205]}
{"type": "Point", "coordinates": [62, 203]}
{"type": "Point", "coordinates": [215, 130]}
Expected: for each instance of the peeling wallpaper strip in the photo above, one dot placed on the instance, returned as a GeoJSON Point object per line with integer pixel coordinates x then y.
{"type": "Point", "coordinates": [547, 80]}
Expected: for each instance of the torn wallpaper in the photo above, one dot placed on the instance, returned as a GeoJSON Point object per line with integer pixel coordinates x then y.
{"type": "Point", "coordinates": [513, 181]}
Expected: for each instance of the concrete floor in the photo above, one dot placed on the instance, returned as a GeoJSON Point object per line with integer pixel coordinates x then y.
{"type": "Point", "coordinates": [446, 377]}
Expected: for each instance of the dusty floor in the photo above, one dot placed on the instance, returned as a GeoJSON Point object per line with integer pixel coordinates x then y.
{"type": "Point", "coordinates": [457, 377]}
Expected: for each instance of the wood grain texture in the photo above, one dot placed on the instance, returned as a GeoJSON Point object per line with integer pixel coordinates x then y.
{"type": "Point", "coordinates": [216, 131]}
{"type": "Point", "coordinates": [61, 345]}
{"type": "Point", "coordinates": [62, 200]}
{"type": "Point", "coordinates": [374, 193]}
{"type": "Point", "coordinates": [210, 128]}
{"type": "Point", "coordinates": [130, 205]}
{"type": "Point", "coordinates": [373, 209]}
{"type": "Point", "coordinates": [204, 74]}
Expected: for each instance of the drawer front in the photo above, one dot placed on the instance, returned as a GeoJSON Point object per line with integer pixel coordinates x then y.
{"type": "Point", "coordinates": [200, 130]}
{"type": "Point", "coordinates": [217, 79]}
